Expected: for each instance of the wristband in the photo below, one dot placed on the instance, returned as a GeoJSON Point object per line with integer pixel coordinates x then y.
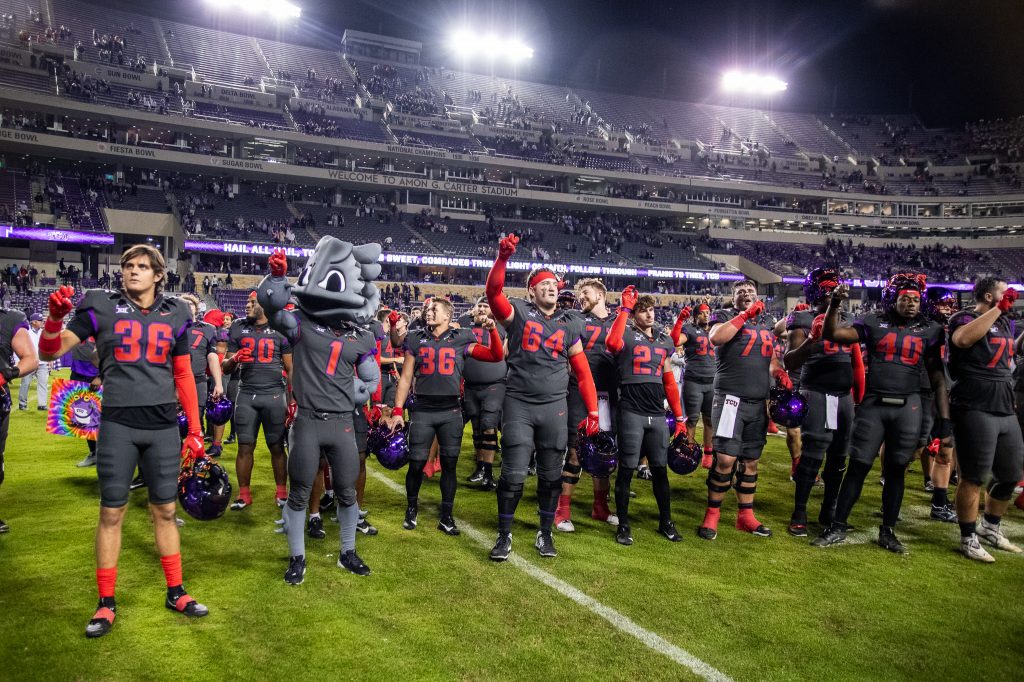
{"type": "Point", "coordinates": [53, 326]}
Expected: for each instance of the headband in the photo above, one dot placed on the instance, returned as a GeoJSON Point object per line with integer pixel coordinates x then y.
{"type": "Point", "coordinates": [542, 276]}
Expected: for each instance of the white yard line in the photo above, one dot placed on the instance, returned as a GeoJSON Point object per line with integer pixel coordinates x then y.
{"type": "Point", "coordinates": [617, 620]}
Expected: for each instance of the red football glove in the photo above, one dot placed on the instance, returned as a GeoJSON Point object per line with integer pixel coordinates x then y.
{"type": "Point", "coordinates": [278, 263]}
{"type": "Point", "coordinates": [293, 408]}
{"type": "Point", "coordinates": [192, 448]}
{"type": "Point", "coordinates": [373, 414]}
{"type": "Point", "coordinates": [60, 302]}
{"type": "Point", "coordinates": [783, 378]}
{"type": "Point", "coordinates": [800, 307]}
{"type": "Point", "coordinates": [243, 355]}
{"type": "Point", "coordinates": [680, 427]}
{"type": "Point", "coordinates": [590, 425]}
{"type": "Point", "coordinates": [507, 246]}
{"type": "Point", "coordinates": [684, 315]}
{"type": "Point", "coordinates": [753, 311]}
{"type": "Point", "coordinates": [933, 447]}
{"type": "Point", "coordinates": [394, 318]}
{"type": "Point", "coordinates": [816, 328]}
{"type": "Point", "coordinates": [1005, 303]}
{"type": "Point", "coordinates": [628, 298]}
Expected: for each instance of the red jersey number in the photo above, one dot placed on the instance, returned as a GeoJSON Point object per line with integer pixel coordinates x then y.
{"type": "Point", "coordinates": [533, 339]}
{"type": "Point", "coordinates": [642, 365]}
{"type": "Point", "coordinates": [767, 342]}
{"type": "Point", "coordinates": [440, 360]}
{"type": "Point", "coordinates": [158, 340]}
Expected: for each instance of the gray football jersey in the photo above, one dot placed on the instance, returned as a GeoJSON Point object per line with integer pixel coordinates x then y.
{"type": "Point", "coordinates": [324, 361]}
{"type": "Point", "coordinates": [744, 362]}
{"type": "Point", "coordinates": [478, 372]}
{"type": "Point", "coordinates": [828, 368]}
{"type": "Point", "coordinates": [895, 353]}
{"type": "Point", "coordinates": [202, 340]}
{"type": "Point", "coordinates": [265, 374]}
{"type": "Point", "coordinates": [699, 353]}
{"type": "Point", "coordinates": [538, 352]}
{"type": "Point", "coordinates": [439, 360]}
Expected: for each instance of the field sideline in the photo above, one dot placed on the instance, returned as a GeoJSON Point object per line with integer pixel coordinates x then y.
{"type": "Point", "coordinates": [436, 608]}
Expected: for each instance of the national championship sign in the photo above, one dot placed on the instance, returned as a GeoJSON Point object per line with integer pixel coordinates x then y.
{"type": "Point", "coordinates": [74, 409]}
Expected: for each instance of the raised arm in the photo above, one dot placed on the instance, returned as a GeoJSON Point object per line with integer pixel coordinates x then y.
{"type": "Point", "coordinates": [831, 331]}
{"type": "Point", "coordinates": [969, 334]}
{"type": "Point", "coordinates": [494, 351]}
{"type": "Point", "coordinates": [273, 294]}
{"type": "Point", "coordinates": [500, 306]}
{"type": "Point", "coordinates": [55, 341]}
{"type": "Point", "coordinates": [678, 337]}
{"type": "Point", "coordinates": [723, 333]}
{"type": "Point", "coordinates": [627, 300]}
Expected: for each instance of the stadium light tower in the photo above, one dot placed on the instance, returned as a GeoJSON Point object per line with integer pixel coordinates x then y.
{"type": "Point", "coordinates": [467, 44]}
{"type": "Point", "coordinates": [276, 9]}
{"type": "Point", "coordinates": [752, 83]}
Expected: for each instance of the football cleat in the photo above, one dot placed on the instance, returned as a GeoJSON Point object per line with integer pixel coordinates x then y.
{"type": "Point", "coordinates": [565, 525]}
{"type": "Point", "coordinates": [4, 528]}
{"type": "Point", "coordinates": [213, 451]}
{"type": "Point", "coordinates": [239, 504]}
{"type": "Point", "coordinates": [545, 544]}
{"type": "Point", "coordinates": [972, 549]}
{"type": "Point", "coordinates": [826, 514]}
{"type": "Point", "coordinates": [410, 518]}
{"type": "Point", "coordinates": [315, 528]}
{"type": "Point", "coordinates": [477, 476]}
{"type": "Point", "coordinates": [993, 535]}
{"type": "Point", "coordinates": [101, 621]}
{"type": "Point", "coordinates": [230, 440]}
{"type": "Point", "coordinates": [929, 487]}
{"type": "Point", "coordinates": [943, 513]}
{"type": "Point", "coordinates": [798, 526]}
{"type": "Point", "coordinates": [707, 533]}
{"type": "Point", "coordinates": [446, 524]}
{"type": "Point", "coordinates": [623, 536]}
{"type": "Point", "coordinates": [887, 540]}
{"type": "Point", "coordinates": [351, 562]}
{"type": "Point", "coordinates": [296, 572]}
{"type": "Point", "coordinates": [753, 526]}
{"type": "Point", "coordinates": [180, 522]}
{"type": "Point", "coordinates": [502, 547]}
{"type": "Point", "coordinates": [366, 528]}
{"type": "Point", "coordinates": [832, 535]}
{"type": "Point", "coordinates": [643, 472]}
{"type": "Point", "coordinates": [668, 530]}
{"type": "Point", "coordinates": [488, 483]}
{"type": "Point", "coordinates": [326, 502]}
{"type": "Point", "coordinates": [89, 461]}
{"type": "Point", "coordinates": [187, 606]}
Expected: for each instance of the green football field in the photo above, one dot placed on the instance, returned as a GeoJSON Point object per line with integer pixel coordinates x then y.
{"type": "Point", "coordinates": [739, 608]}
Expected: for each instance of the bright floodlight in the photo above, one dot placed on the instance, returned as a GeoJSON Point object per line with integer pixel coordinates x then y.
{"type": "Point", "coordinates": [468, 45]}
{"type": "Point", "coordinates": [751, 83]}
{"type": "Point", "coordinates": [277, 9]}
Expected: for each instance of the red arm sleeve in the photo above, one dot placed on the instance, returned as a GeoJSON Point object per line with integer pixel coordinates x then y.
{"type": "Point", "coordinates": [614, 341]}
{"type": "Point", "coordinates": [492, 353]}
{"type": "Point", "coordinates": [677, 330]}
{"type": "Point", "coordinates": [185, 387]}
{"type": "Point", "coordinates": [588, 391]}
{"type": "Point", "coordinates": [668, 380]}
{"type": "Point", "coordinates": [495, 296]}
{"type": "Point", "coordinates": [859, 382]}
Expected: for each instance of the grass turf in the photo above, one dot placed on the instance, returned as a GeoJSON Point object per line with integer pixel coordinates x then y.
{"type": "Point", "coordinates": [436, 608]}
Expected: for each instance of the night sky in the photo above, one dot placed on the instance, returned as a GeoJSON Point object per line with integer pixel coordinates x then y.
{"type": "Point", "coordinates": [946, 61]}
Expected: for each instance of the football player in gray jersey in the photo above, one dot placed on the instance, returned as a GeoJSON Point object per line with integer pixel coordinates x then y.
{"type": "Point", "coordinates": [483, 396]}
{"type": "Point", "coordinates": [203, 350]}
{"type": "Point", "coordinates": [333, 371]}
{"type": "Point", "coordinates": [698, 373]}
{"type": "Point", "coordinates": [14, 340]}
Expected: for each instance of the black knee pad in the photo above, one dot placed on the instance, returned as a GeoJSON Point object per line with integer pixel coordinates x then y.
{"type": "Point", "coordinates": [719, 482]}
{"type": "Point", "coordinates": [509, 486]}
{"type": "Point", "coordinates": [571, 473]}
{"type": "Point", "coordinates": [746, 484]}
{"type": "Point", "coordinates": [1001, 491]}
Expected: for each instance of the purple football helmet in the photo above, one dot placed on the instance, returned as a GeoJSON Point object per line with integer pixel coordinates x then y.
{"type": "Point", "coordinates": [204, 490]}
{"type": "Point", "coordinates": [5, 401]}
{"type": "Point", "coordinates": [787, 408]}
{"type": "Point", "coordinates": [182, 423]}
{"type": "Point", "coordinates": [683, 456]}
{"type": "Point", "coordinates": [819, 284]}
{"type": "Point", "coordinates": [219, 411]}
{"type": "Point", "coordinates": [390, 447]}
{"type": "Point", "coordinates": [598, 454]}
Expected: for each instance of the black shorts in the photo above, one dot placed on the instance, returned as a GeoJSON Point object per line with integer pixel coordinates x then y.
{"type": "Point", "coordinates": [816, 439]}
{"type": "Point", "coordinates": [361, 427]}
{"type": "Point", "coordinates": [481, 406]}
{"type": "Point", "coordinates": [988, 445]}
{"type": "Point", "coordinates": [527, 427]}
{"type": "Point", "coordinates": [698, 398]}
{"type": "Point", "coordinates": [750, 430]}
{"type": "Point", "coordinates": [897, 426]}
{"type": "Point", "coordinates": [642, 436]}
{"type": "Point", "coordinates": [389, 387]}
{"type": "Point", "coordinates": [927, 418]}
{"type": "Point", "coordinates": [120, 448]}
{"type": "Point", "coordinates": [255, 410]}
{"type": "Point", "coordinates": [425, 425]}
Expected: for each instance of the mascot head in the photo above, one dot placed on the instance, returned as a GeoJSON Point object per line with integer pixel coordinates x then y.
{"type": "Point", "coordinates": [337, 283]}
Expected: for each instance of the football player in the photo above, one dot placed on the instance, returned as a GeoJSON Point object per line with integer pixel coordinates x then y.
{"type": "Point", "coordinates": [543, 342]}
{"type": "Point", "coordinates": [988, 436]}
{"type": "Point", "coordinates": [829, 373]}
{"type": "Point", "coordinates": [592, 297]}
{"type": "Point", "coordinates": [14, 340]}
{"type": "Point", "coordinates": [203, 351]}
{"type": "Point", "coordinates": [745, 345]}
{"type": "Point", "coordinates": [435, 357]}
{"type": "Point", "coordinates": [143, 341]}
{"type": "Point", "coordinates": [263, 359]}
{"type": "Point", "coordinates": [898, 341]}
{"type": "Point", "coordinates": [698, 373]}
{"type": "Point", "coordinates": [333, 372]}
{"type": "Point", "coordinates": [483, 395]}
{"type": "Point", "coordinates": [645, 379]}
{"type": "Point", "coordinates": [936, 461]}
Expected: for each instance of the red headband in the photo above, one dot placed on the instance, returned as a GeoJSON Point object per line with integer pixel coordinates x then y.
{"type": "Point", "coordinates": [252, 294]}
{"type": "Point", "coordinates": [541, 276]}
{"type": "Point", "coordinates": [703, 307]}
{"type": "Point", "coordinates": [908, 291]}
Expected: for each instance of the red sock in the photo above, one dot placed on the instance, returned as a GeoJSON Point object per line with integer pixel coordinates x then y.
{"type": "Point", "coordinates": [245, 494]}
{"type": "Point", "coordinates": [711, 517]}
{"type": "Point", "coordinates": [172, 569]}
{"type": "Point", "coordinates": [105, 579]}
{"type": "Point", "coordinates": [563, 512]}
{"type": "Point", "coordinates": [745, 520]}
{"type": "Point", "coordinates": [216, 443]}
{"type": "Point", "coordinates": [282, 492]}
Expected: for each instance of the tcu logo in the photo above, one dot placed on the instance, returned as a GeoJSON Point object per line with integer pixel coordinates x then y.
{"type": "Point", "coordinates": [732, 402]}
